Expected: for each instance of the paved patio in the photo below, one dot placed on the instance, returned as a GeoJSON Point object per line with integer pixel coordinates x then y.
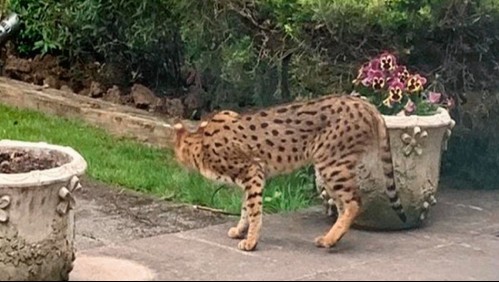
{"type": "Point", "coordinates": [459, 242]}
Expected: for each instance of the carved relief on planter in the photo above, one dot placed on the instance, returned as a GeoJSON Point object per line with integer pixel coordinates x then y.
{"type": "Point", "coordinates": [67, 200]}
{"type": "Point", "coordinates": [414, 141]}
{"type": "Point", "coordinates": [447, 135]}
{"type": "Point", "coordinates": [4, 204]}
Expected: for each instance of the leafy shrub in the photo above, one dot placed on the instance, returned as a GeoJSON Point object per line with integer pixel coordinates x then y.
{"type": "Point", "coordinates": [136, 41]}
{"type": "Point", "coordinates": [256, 53]}
{"type": "Point", "coordinates": [42, 29]}
{"type": "Point", "coordinates": [302, 48]}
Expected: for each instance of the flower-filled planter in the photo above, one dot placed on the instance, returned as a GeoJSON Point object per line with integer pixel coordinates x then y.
{"type": "Point", "coordinates": [417, 143]}
{"type": "Point", "coordinates": [37, 184]}
{"type": "Point", "coordinates": [419, 126]}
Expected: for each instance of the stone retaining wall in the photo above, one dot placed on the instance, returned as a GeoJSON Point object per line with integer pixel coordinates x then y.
{"type": "Point", "coordinates": [118, 120]}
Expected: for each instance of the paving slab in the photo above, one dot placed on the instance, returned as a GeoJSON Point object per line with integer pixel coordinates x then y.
{"type": "Point", "coordinates": [460, 241]}
{"type": "Point", "coordinates": [108, 214]}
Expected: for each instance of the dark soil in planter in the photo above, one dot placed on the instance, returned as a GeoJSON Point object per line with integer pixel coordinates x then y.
{"type": "Point", "coordinates": [23, 161]}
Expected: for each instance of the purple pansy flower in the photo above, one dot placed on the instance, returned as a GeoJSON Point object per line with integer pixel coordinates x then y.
{"type": "Point", "coordinates": [434, 97]}
{"type": "Point", "coordinates": [410, 107]}
{"type": "Point", "coordinates": [402, 73]}
{"type": "Point", "coordinates": [395, 91]}
{"type": "Point", "coordinates": [415, 83]}
{"type": "Point", "coordinates": [388, 62]}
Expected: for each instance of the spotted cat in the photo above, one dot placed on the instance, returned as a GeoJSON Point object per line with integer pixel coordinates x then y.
{"type": "Point", "coordinates": [331, 133]}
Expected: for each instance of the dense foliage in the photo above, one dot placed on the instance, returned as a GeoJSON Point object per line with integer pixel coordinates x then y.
{"type": "Point", "coordinates": [251, 53]}
{"type": "Point", "coordinates": [134, 40]}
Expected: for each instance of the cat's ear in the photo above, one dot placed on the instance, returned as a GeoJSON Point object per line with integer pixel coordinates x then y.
{"type": "Point", "coordinates": [178, 126]}
{"type": "Point", "coordinates": [203, 124]}
{"type": "Point", "coordinates": [201, 127]}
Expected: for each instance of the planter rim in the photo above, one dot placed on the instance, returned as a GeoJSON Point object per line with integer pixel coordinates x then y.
{"type": "Point", "coordinates": [440, 119]}
{"type": "Point", "coordinates": [76, 166]}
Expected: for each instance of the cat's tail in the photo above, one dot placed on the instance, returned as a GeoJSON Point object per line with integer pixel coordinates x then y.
{"type": "Point", "coordinates": [387, 162]}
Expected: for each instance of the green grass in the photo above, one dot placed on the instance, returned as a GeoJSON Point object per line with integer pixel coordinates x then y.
{"type": "Point", "coordinates": [132, 165]}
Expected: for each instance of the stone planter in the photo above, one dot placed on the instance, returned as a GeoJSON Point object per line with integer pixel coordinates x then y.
{"type": "Point", "coordinates": [417, 144]}
{"type": "Point", "coordinates": [36, 216]}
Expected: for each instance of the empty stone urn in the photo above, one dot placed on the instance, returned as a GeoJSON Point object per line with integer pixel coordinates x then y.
{"type": "Point", "coordinates": [417, 144]}
{"type": "Point", "coordinates": [37, 185]}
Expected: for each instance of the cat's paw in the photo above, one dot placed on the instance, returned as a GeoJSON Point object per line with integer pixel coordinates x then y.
{"type": "Point", "coordinates": [247, 245]}
{"type": "Point", "coordinates": [322, 242]}
{"type": "Point", "coordinates": [235, 233]}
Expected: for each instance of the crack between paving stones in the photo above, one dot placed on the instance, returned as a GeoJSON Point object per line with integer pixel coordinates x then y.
{"type": "Point", "coordinates": [466, 206]}
{"type": "Point", "coordinates": [351, 266]}
{"type": "Point", "coordinates": [211, 243]}
{"type": "Point", "coordinates": [90, 236]}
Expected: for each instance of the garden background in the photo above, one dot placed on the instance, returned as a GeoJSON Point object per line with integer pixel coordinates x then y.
{"type": "Point", "coordinates": [187, 58]}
